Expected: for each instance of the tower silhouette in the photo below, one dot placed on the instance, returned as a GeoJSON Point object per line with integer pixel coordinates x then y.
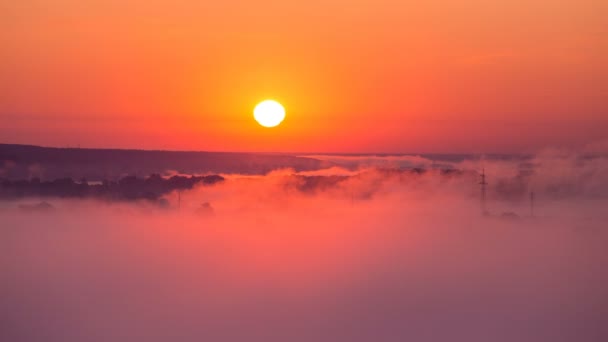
{"type": "Point", "coordinates": [483, 184]}
{"type": "Point", "coordinates": [532, 204]}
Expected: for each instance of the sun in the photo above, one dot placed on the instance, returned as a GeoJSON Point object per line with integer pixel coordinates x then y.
{"type": "Point", "coordinates": [269, 113]}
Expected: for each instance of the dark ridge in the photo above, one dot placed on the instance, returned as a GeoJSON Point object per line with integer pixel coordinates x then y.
{"type": "Point", "coordinates": [47, 163]}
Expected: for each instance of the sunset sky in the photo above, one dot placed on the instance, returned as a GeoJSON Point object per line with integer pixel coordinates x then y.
{"type": "Point", "coordinates": [354, 76]}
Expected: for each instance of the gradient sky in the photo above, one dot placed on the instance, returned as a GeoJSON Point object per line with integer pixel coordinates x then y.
{"type": "Point", "coordinates": [354, 76]}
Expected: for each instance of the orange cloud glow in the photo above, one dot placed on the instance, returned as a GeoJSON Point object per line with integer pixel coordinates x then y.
{"type": "Point", "coordinates": [354, 76]}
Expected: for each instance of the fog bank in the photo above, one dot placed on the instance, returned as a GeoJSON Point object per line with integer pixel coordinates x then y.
{"type": "Point", "coordinates": [375, 256]}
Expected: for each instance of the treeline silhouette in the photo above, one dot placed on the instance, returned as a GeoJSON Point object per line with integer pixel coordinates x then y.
{"type": "Point", "coordinates": [155, 186]}
{"type": "Point", "coordinates": [128, 188]}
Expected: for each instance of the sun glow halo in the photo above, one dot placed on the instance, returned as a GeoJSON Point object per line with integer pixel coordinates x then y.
{"type": "Point", "coordinates": [269, 113]}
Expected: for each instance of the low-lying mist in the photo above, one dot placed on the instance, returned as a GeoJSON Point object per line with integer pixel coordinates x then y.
{"type": "Point", "coordinates": [371, 255]}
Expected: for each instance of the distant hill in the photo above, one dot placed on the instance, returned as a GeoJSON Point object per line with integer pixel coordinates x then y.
{"type": "Point", "coordinates": [25, 161]}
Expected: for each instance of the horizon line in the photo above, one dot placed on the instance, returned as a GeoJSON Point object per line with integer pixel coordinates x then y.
{"type": "Point", "coordinates": [303, 154]}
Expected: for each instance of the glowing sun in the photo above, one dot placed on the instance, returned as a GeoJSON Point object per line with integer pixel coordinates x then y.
{"type": "Point", "coordinates": [269, 113]}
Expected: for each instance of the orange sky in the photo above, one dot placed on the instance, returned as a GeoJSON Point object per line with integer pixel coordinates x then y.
{"type": "Point", "coordinates": [354, 76]}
